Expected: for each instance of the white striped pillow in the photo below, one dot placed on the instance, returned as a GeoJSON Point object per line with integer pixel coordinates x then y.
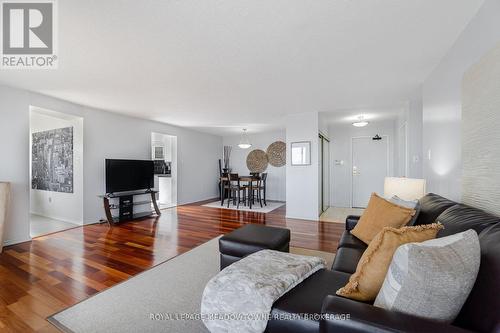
{"type": "Point", "coordinates": [432, 279]}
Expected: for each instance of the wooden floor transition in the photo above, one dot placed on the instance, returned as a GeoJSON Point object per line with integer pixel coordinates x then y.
{"type": "Point", "coordinates": [52, 272]}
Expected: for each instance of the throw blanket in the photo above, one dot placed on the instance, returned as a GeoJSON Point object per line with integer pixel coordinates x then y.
{"type": "Point", "coordinates": [240, 297]}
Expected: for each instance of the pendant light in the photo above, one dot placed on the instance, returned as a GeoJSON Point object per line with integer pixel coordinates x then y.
{"type": "Point", "coordinates": [244, 142]}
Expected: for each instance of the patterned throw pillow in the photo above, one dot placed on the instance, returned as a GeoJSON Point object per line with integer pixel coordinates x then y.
{"type": "Point", "coordinates": [413, 204]}
{"type": "Point", "coordinates": [432, 279]}
{"type": "Point", "coordinates": [380, 213]}
{"type": "Point", "coordinates": [366, 282]}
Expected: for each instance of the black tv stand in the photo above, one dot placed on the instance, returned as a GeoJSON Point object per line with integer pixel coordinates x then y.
{"type": "Point", "coordinates": [126, 204]}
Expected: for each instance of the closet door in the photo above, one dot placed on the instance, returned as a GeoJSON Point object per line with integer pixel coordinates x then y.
{"type": "Point", "coordinates": [320, 175]}
{"type": "Point", "coordinates": [323, 174]}
{"type": "Point", "coordinates": [326, 174]}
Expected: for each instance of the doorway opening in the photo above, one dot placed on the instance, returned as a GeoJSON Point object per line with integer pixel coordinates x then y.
{"type": "Point", "coordinates": [56, 171]}
{"type": "Point", "coordinates": [164, 154]}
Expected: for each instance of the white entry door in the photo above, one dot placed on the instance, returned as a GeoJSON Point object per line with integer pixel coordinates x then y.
{"type": "Point", "coordinates": [370, 166]}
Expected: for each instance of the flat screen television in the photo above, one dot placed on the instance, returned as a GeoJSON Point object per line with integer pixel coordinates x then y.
{"type": "Point", "coordinates": [129, 175]}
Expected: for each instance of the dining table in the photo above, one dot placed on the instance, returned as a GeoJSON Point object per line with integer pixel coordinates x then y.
{"type": "Point", "coordinates": [250, 179]}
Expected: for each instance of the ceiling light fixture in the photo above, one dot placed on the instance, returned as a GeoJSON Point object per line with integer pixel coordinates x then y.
{"type": "Point", "coordinates": [244, 142]}
{"type": "Point", "coordinates": [361, 122]}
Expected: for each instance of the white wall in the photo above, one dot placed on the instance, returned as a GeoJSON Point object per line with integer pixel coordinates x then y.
{"type": "Point", "coordinates": [414, 121]}
{"type": "Point", "coordinates": [442, 102]}
{"type": "Point", "coordinates": [411, 115]}
{"type": "Point", "coordinates": [276, 177]}
{"type": "Point", "coordinates": [61, 206]}
{"type": "Point", "coordinates": [480, 138]}
{"type": "Point", "coordinates": [323, 124]}
{"type": "Point", "coordinates": [14, 168]}
{"type": "Point", "coordinates": [106, 135]}
{"type": "Point", "coordinates": [401, 160]}
{"type": "Point", "coordinates": [340, 149]}
{"type": "Point", "coordinates": [302, 181]}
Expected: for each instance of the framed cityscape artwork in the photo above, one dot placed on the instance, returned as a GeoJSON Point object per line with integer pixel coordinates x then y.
{"type": "Point", "coordinates": [52, 160]}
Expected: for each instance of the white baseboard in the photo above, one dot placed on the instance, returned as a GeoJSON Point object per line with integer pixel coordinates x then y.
{"type": "Point", "coordinates": [307, 218]}
{"type": "Point", "coordinates": [55, 217]}
{"type": "Point", "coordinates": [216, 197]}
{"type": "Point", "coordinates": [16, 241]}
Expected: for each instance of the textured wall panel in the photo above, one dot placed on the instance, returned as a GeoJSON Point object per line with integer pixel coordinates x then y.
{"type": "Point", "coordinates": [481, 133]}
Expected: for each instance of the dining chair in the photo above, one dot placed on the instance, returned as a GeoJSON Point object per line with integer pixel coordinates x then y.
{"type": "Point", "coordinates": [235, 190]}
{"type": "Point", "coordinates": [256, 189]}
{"type": "Point", "coordinates": [263, 186]}
{"type": "Point", "coordinates": [224, 187]}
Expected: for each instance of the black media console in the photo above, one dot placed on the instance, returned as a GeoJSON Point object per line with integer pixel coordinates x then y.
{"type": "Point", "coordinates": [124, 206]}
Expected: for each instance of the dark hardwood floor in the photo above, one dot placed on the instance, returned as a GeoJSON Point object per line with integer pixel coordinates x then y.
{"type": "Point", "coordinates": [52, 272]}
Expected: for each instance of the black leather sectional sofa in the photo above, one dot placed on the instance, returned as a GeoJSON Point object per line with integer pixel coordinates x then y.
{"type": "Point", "coordinates": [312, 306]}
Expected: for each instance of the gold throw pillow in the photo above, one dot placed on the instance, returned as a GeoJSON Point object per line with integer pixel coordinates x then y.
{"type": "Point", "coordinates": [380, 213]}
{"type": "Point", "coordinates": [366, 282]}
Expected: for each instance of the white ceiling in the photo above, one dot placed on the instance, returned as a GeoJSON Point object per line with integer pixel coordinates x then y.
{"type": "Point", "coordinates": [372, 114]}
{"type": "Point", "coordinates": [220, 65]}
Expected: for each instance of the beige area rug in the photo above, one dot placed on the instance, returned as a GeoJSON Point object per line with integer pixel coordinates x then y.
{"type": "Point", "coordinates": [339, 214]}
{"type": "Point", "coordinates": [165, 298]}
{"type": "Point", "coordinates": [271, 205]}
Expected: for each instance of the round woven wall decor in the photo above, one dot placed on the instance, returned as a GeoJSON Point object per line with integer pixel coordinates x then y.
{"type": "Point", "coordinates": [276, 153]}
{"type": "Point", "coordinates": [257, 161]}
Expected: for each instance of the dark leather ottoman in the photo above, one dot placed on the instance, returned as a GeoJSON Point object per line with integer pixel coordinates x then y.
{"type": "Point", "coordinates": [250, 239]}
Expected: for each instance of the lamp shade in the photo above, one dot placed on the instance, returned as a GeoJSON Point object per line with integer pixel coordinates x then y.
{"type": "Point", "coordinates": [405, 188]}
